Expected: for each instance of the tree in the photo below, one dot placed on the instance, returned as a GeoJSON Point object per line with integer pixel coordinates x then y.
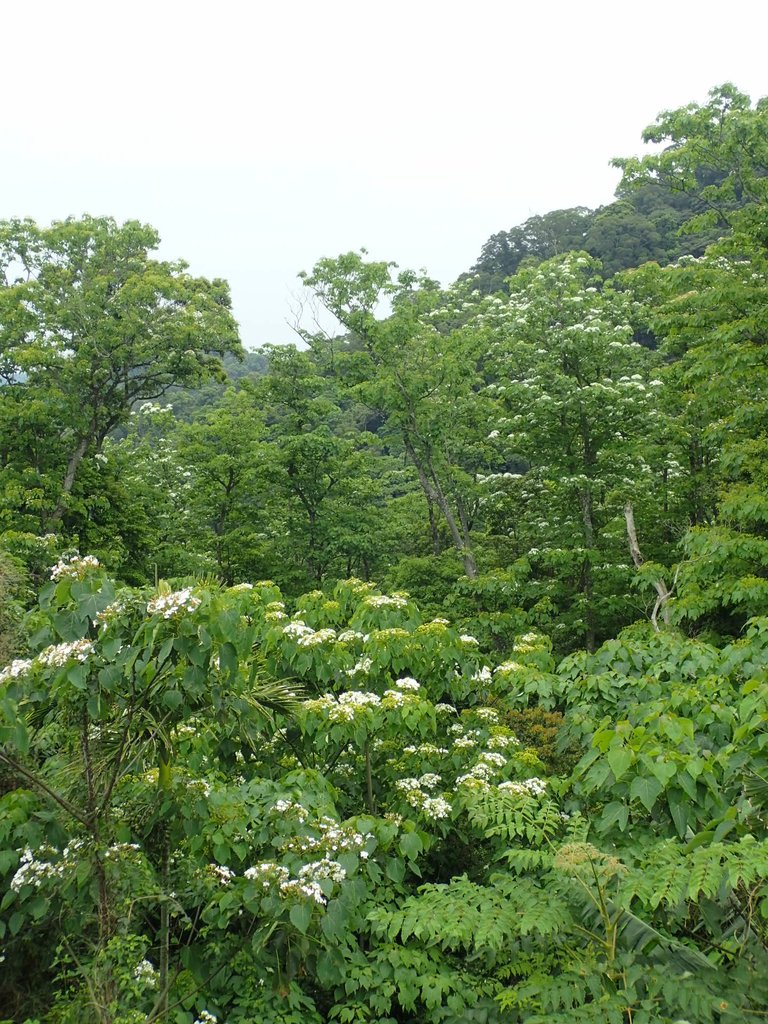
{"type": "Point", "coordinates": [421, 376]}
{"type": "Point", "coordinates": [92, 323]}
{"type": "Point", "coordinates": [709, 315]}
{"type": "Point", "coordinates": [715, 153]}
{"type": "Point", "coordinates": [539, 238]}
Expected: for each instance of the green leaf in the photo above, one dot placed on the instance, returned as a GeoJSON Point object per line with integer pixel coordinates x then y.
{"type": "Point", "coordinates": [395, 869]}
{"type": "Point", "coordinates": [615, 813]}
{"type": "Point", "coordinates": [646, 790]}
{"type": "Point", "coordinates": [300, 915]}
{"type": "Point", "coordinates": [410, 845]}
{"type": "Point", "coordinates": [619, 758]}
{"type": "Point", "coordinates": [680, 809]}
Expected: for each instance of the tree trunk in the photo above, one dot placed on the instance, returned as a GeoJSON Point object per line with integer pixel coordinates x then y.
{"type": "Point", "coordinates": [663, 592]}
{"type": "Point", "coordinates": [69, 478]}
{"type": "Point", "coordinates": [434, 494]}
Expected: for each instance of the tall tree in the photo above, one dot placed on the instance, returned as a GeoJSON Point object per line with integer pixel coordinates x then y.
{"type": "Point", "coordinates": [423, 379]}
{"type": "Point", "coordinates": [90, 321]}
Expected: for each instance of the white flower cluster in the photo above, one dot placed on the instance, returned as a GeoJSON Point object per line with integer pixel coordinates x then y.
{"type": "Point", "coordinates": [345, 707]}
{"type": "Point", "coordinates": [221, 873]}
{"type": "Point", "coordinates": [464, 742]}
{"type": "Point", "coordinates": [483, 675]}
{"type": "Point", "coordinates": [407, 684]}
{"type": "Point", "coordinates": [383, 601]}
{"type": "Point", "coordinates": [480, 774]}
{"type": "Point", "coordinates": [241, 586]}
{"type": "Point", "coordinates": [486, 714]}
{"type": "Point", "coordinates": [297, 628]}
{"type": "Point", "coordinates": [34, 872]}
{"type": "Point", "coordinates": [322, 636]}
{"type": "Point", "coordinates": [58, 655]}
{"type": "Point", "coordinates": [363, 665]}
{"type": "Point", "coordinates": [73, 567]}
{"type": "Point", "coordinates": [467, 639]}
{"type": "Point", "coordinates": [205, 1017]}
{"type": "Point", "coordinates": [426, 750]}
{"type": "Point", "coordinates": [436, 807]}
{"type": "Point", "coordinates": [395, 699]}
{"type": "Point", "coordinates": [17, 668]}
{"type": "Point", "coordinates": [333, 839]}
{"type": "Point", "coordinates": [173, 605]}
{"type": "Point", "coordinates": [528, 642]}
{"type": "Point", "coordinates": [117, 851]}
{"type": "Point", "coordinates": [445, 709]}
{"type": "Point", "coordinates": [291, 807]}
{"type": "Point", "coordinates": [531, 787]}
{"type": "Point", "coordinates": [146, 973]}
{"type": "Point", "coordinates": [269, 875]}
{"type": "Point", "coordinates": [502, 742]}
{"type": "Point", "coordinates": [433, 807]}
{"type": "Point", "coordinates": [325, 868]}
{"type": "Point", "coordinates": [112, 611]}
{"type": "Point", "coordinates": [497, 760]}
{"type": "Point", "coordinates": [275, 616]}
{"type": "Point", "coordinates": [348, 635]}
{"type": "Point", "coordinates": [508, 666]}
{"type": "Point", "coordinates": [426, 781]}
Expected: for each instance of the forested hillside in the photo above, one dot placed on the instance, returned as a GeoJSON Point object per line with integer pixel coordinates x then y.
{"type": "Point", "coordinates": [417, 672]}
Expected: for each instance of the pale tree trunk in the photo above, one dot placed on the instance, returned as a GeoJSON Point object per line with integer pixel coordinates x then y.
{"type": "Point", "coordinates": [435, 495]}
{"type": "Point", "coordinates": [69, 478]}
{"type": "Point", "coordinates": [663, 592]}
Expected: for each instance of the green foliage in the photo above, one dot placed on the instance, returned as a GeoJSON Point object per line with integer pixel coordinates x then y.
{"type": "Point", "coordinates": [313, 799]}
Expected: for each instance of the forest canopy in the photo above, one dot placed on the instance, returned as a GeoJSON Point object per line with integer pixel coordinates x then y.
{"type": "Point", "coordinates": [416, 672]}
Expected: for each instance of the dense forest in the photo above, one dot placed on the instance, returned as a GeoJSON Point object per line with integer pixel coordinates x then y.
{"type": "Point", "coordinates": [415, 673]}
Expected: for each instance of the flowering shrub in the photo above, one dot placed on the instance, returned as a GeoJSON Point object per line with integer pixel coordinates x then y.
{"type": "Point", "coordinates": [391, 796]}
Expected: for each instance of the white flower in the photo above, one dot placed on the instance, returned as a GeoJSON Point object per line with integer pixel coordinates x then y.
{"type": "Point", "coordinates": [294, 887]}
{"type": "Point", "coordinates": [315, 639]}
{"type": "Point", "coordinates": [502, 742]}
{"type": "Point", "coordinates": [429, 780]}
{"type": "Point", "coordinates": [436, 807]}
{"type": "Point", "coordinates": [467, 639]}
{"type": "Point", "coordinates": [382, 601]}
{"type": "Point", "coordinates": [297, 628]}
{"type": "Point", "coordinates": [486, 714]}
{"type": "Point", "coordinates": [464, 742]}
{"type": "Point", "coordinates": [324, 868]}
{"type": "Point", "coordinates": [58, 655]}
{"type": "Point", "coordinates": [407, 684]}
{"type": "Point", "coordinates": [363, 665]}
{"type": "Point", "coordinates": [74, 567]}
{"type": "Point", "coordinates": [222, 873]}
{"type": "Point", "coordinates": [508, 666]}
{"type": "Point", "coordinates": [492, 758]}
{"type": "Point", "coordinates": [173, 605]}
{"type": "Point", "coordinates": [267, 874]}
{"type": "Point", "coordinates": [144, 971]}
{"type": "Point", "coordinates": [348, 635]}
{"type": "Point", "coordinates": [206, 1018]}
{"type": "Point", "coordinates": [531, 787]}
{"type": "Point", "coordinates": [17, 668]}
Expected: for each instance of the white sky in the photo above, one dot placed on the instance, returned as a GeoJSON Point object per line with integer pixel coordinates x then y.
{"type": "Point", "coordinates": [259, 137]}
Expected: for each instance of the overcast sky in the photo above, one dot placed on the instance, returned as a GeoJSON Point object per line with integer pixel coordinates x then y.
{"type": "Point", "coordinates": [259, 137]}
